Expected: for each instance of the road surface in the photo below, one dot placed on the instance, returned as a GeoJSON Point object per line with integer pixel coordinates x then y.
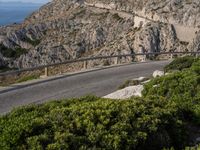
{"type": "Point", "coordinates": [100, 83]}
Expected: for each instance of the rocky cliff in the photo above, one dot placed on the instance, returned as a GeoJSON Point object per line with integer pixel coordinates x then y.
{"type": "Point", "coordinates": [67, 29]}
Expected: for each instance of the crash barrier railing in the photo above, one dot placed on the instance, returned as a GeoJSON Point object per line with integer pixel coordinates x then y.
{"type": "Point", "coordinates": [86, 60]}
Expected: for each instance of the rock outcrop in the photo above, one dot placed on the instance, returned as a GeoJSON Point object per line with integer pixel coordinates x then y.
{"type": "Point", "coordinates": [68, 29]}
{"type": "Point", "coordinates": [126, 93]}
{"type": "Point", "coordinates": [158, 73]}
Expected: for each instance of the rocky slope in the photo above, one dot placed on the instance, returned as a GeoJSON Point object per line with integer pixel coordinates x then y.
{"type": "Point", "coordinates": [67, 29]}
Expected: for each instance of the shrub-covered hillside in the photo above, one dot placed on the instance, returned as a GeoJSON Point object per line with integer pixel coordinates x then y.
{"type": "Point", "coordinates": [180, 87]}
{"type": "Point", "coordinates": [91, 123]}
{"type": "Point", "coordinates": [158, 120]}
{"type": "Point", "coordinates": [180, 63]}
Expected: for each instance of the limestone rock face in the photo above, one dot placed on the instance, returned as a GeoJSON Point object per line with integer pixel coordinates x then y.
{"type": "Point", "coordinates": [66, 29]}
{"type": "Point", "coordinates": [155, 37]}
{"type": "Point", "coordinates": [185, 12]}
{"type": "Point", "coordinates": [195, 44]}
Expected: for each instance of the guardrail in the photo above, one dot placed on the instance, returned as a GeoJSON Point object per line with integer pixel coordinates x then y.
{"type": "Point", "coordinates": [85, 60]}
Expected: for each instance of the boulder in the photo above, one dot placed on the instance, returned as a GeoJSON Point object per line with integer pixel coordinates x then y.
{"type": "Point", "coordinates": [140, 79]}
{"type": "Point", "coordinates": [126, 92]}
{"type": "Point", "coordinates": [158, 73]}
{"type": "Point", "coordinates": [147, 81]}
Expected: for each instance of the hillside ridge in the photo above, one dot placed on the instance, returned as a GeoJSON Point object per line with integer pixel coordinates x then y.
{"type": "Point", "coordinates": [68, 29]}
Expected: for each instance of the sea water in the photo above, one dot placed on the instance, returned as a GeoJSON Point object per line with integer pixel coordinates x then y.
{"type": "Point", "coordinates": [15, 12]}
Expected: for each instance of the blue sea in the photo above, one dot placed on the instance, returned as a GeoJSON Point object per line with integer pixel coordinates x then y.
{"type": "Point", "coordinates": [16, 12]}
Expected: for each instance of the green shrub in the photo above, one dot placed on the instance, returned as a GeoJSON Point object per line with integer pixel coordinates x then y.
{"type": "Point", "coordinates": [4, 69]}
{"type": "Point", "coordinates": [180, 63]}
{"type": "Point", "coordinates": [117, 17]}
{"type": "Point", "coordinates": [20, 51]}
{"type": "Point", "coordinates": [34, 42]}
{"type": "Point", "coordinates": [128, 83]}
{"type": "Point", "coordinates": [27, 78]}
{"type": "Point", "coordinates": [93, 123]}
{"type": "Point", "coordinates": [186, 148]}
{"type": "Point", "coordinates": [12, 53]}
{"type": "Point", "coordinates": [7, 52]}
{"type": "Point", "coordinates": [180, 87]}
{"type": "Point", "coordinates": [132, 83]}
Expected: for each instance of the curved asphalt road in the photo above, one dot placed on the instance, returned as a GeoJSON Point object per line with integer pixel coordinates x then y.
{"type": "Point", "coordinates": [100, 82]}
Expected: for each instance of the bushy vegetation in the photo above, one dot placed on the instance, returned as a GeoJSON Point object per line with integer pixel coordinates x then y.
{"type": "Point", "coordinates": [180, 63]}
{"type": "Point", "coordinates": [7, 52]}
{"type": "Point", "coordinates": [180, 87]}
{"type": "Point", "coordinates": [3, 69]}
{"type": "Point", "coordinates": [12, 53]}
{"type": "Point", "coordinates": [18, 78]}
{"type": "Point", "coordinates": [18, 51]}
{"type": "Point", "coordinates": [132, 83]}
{"type": "Point", "coordinates": [34, 42]}
{"type": "Point", "coordinates": [117, 17]}
{"type": "Point", "coordinates": [186, 148]}
{"type": "Point", "coordinates": [28, 78]}
{"type": "Point", "coordinates": [93, 123]}
{"type": "Point", "coordinates": [128, 83]}
{"type": "Point", "coordinates": [157, 121]}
